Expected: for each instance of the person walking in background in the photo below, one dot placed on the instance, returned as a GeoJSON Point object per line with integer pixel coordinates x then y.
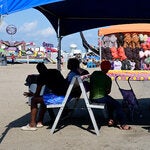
{"type": "Point", "coordinates": [100, 88]}
{"type": "Point", "coordinates": [13, 59]}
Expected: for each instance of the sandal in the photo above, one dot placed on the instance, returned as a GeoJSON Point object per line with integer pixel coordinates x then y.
{"type": "Point", "coordinates": [111, 123]}
{"type": "Point", "coordinates": [125, 127]}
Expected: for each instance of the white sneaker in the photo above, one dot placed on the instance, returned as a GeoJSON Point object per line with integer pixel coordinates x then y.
{"type": "Point", "coordinates": [28, 128]}
{"type": "Point", "coordinates": [39, 125]}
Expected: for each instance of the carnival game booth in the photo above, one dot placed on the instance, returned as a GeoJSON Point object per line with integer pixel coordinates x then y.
{"type": "Point", "coordinates": [126, 42]}
{"type": "Point", "coordinates": [129, 44]}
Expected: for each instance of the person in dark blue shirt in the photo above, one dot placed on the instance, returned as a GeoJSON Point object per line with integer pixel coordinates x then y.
{"type": "Point", "coordinates": [75, 70]}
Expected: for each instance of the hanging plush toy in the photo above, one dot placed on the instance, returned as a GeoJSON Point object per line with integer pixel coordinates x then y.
{"type": "Point", "coordinates": [147, 60]}
{"type": "Point", "coordinates": [135, 41]}
{"type": "Point", "coordinates": [145, 37]}
{"type": "Point", "coordinates": [113, 41]}
{"type": "Point", "coordinates": [121, 53]}
{"type": "Point", "coordinates": [106, 53]}
{"type": "Point", "coordinates": [145, 56]}
{"type": "Point", "coordinates": [141, 38]}
{"type": "Point", "coordinates": [114, 52]}
{"type": "Point", "coordinates": [120, 39]}
{"type": "Point", "coordinates": [127, 40]}
{"type": "Point", "coordinates": [141, 54]}
{"type": "Point", "coordinates": [106, 41]}
{"type": "Point", "coordinates": [144, 46]}
{"type": "Point", "coordinates": [148, 43]}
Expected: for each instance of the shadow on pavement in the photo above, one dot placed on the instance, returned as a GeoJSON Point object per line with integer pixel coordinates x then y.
{"type": "Point", "coordinates": [80, 118]}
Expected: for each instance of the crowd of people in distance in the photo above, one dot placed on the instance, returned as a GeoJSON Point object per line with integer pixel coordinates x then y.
{"type": "Point", "coordinates": [99, 88]}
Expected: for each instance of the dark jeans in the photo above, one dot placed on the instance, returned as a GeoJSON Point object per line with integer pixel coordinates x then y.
{"type": "Point", "coordinates": [113, 106]}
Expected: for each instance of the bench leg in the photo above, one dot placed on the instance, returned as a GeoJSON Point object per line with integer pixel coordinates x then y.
{"type": "Point", "coordinates": [57, 119]}
{"type": "Point", "coordinates": [93, 121]}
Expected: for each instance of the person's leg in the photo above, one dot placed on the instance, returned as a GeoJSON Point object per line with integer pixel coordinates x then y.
{"type": "Point", "coordinates": [32, 126]}
{"type": "Point", "coordinates": [51, 114]}
{"type": "Point", "coordinates": [110, 110]}
{"type": "Point", "coordinates": [114, 105]}
{"type": "Point", "coordinates": [42, 111]}
{"type": "Point", "coordinates": [34, 109]}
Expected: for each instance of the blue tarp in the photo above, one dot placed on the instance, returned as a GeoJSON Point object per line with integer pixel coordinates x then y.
{"type": "Point", "coordinates": [11, 6]}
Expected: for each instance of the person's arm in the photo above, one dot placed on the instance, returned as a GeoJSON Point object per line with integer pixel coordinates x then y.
{"type": "Point", "coordinates": [82, 71]}
{"type": "Point", "coordinates": [108, 91]}
{"type": "Point", "coordinates": [38, 90]}
{"type": "Point", "coordinates": [70, 76]}
{"type": "Point", "coordinates": [36, 94]}
{"type": "Point", "coordinates": [109, 86]}
{"type": "Point", "coordinates": [28, 94]}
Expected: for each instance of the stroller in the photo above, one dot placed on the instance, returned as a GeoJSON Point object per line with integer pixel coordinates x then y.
{"type": "Point", "coordinates": [129, 102]}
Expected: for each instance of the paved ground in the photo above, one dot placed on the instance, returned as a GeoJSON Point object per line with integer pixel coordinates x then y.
{"type": "Point", "coordinates": [74, 134]}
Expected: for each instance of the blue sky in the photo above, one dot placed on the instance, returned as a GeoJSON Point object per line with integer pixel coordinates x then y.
{"type": "Point", "coordinates": [32, 26]}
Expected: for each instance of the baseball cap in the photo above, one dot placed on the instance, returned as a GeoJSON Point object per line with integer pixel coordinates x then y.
{"type": "Point", "coordinates": [105, 65]}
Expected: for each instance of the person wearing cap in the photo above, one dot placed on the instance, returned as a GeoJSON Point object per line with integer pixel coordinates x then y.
{"type": "Point", "coordinates": [100, 88]}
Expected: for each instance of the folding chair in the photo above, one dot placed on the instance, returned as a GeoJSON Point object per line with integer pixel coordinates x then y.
{"type": "Point", "coordinates": [89, 106]}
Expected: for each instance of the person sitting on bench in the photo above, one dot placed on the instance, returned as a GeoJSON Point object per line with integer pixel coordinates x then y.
{"type": "Point", "coordinates": [53, 80]}
{"type": "Point", "coordinates": [75, 70]}
{"type": "Point", "coordinates": [100, 87]}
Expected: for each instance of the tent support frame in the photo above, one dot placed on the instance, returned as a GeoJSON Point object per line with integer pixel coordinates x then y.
{"type": "Point", "coordinates": [59, 38]}
{"type": "Point", "coordinates": [100, 48]}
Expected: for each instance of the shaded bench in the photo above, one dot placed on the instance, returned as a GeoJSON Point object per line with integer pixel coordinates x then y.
{"type": "Point", "coordinates": [88, 105]}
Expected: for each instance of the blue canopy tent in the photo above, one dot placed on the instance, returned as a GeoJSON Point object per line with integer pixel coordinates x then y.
{"type": "Point", "coordinates": [71, 16]}
{"type": "Point", "coordinates": [11, 6]}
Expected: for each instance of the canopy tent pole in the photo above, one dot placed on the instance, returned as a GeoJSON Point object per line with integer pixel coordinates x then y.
{"type": "Point", "coordinates": [100, 48]}
{"type": "Point", "coordinates": [59, 38]}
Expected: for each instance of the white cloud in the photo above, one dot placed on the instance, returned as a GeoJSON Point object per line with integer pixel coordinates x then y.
{"type": "Point", "coordinates": [28, 27]}
{"type": "Point", "coordinates": [43, 32]}
{"type": "Point", "coordinates": [47, 32]}
{"type": "Point", "coordinates": [3, 26]}
{"type": "Point", "coordinates": [31, 29]}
